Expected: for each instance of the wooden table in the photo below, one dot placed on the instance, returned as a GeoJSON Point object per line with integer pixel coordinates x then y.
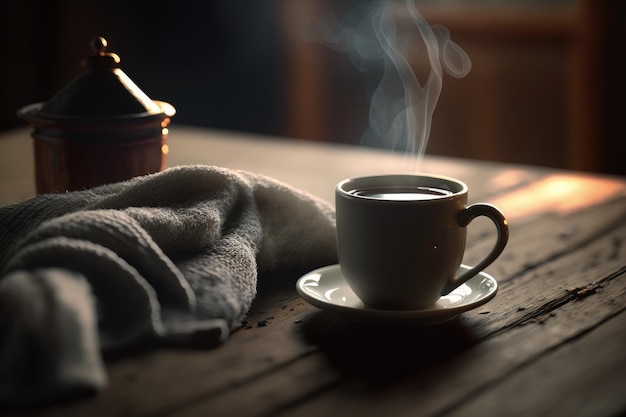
{"type": "Point", "coordinates": [552, 342]}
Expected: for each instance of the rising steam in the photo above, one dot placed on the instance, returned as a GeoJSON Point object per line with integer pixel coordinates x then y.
{"type": "Point", "coordinates": [401, 107]}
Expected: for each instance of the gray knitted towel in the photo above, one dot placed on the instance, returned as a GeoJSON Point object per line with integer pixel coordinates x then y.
{"type": "Point", "coordinates": [170, 257]}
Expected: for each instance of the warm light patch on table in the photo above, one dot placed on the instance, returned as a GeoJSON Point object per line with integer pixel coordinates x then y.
{"type": "Point", "coordinates": [558, 193]}
{"type": "Point", "coordinates": [509, 178]}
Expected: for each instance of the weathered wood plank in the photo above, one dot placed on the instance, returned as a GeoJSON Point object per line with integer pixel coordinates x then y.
{"type": "Point", "coordinates": [397, 382]}
{"type": "Point", "coordinates": [584, 377]}
{"type": "Point", "coordinates": [449, 384]}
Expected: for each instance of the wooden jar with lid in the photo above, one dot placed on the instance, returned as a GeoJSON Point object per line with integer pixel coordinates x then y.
{"type": "Point", "coordinates": [101, 128]}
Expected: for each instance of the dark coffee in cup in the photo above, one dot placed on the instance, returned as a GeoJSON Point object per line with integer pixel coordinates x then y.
{"type": "Point", "coordinates": [401, 193]}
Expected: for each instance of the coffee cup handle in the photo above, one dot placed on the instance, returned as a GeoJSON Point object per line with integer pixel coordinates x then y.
{"type": "Point", "coordinates": [464, 218]}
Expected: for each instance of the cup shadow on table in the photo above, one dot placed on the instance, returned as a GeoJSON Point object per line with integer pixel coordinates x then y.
{"type": "Point", "coordinates": [383, 354]}
{"type": "Point", "coordinates": [390, 352]}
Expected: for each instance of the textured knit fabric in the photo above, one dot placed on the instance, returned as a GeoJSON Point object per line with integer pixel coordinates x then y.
{"type": "Point", "coordinates": [171, 257]}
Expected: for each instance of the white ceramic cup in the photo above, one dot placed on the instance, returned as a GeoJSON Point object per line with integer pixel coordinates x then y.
{"type": "Point", "coordinates": [401, 238]}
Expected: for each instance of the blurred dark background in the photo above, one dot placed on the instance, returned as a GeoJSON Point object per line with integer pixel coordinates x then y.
{"type": "Point", "coordinates": [546, 87]}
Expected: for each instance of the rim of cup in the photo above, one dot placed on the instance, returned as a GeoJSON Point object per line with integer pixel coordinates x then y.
{"type": "Point", "coordinates": [455, 187]}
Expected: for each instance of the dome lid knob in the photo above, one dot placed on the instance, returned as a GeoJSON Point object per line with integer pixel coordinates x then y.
{"type": "Point", "coordinates": [100, 58]}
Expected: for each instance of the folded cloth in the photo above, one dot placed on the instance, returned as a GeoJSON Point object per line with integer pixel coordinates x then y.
{"type": "Point", "coordinates": [171, 257]}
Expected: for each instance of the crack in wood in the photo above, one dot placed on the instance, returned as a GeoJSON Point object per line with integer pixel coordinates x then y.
{"type": "Point", "coordinates": [547, 310]}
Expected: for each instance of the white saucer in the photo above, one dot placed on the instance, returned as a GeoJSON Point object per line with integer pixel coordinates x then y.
{"type": "Point", "coordinates": [327, 289]}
